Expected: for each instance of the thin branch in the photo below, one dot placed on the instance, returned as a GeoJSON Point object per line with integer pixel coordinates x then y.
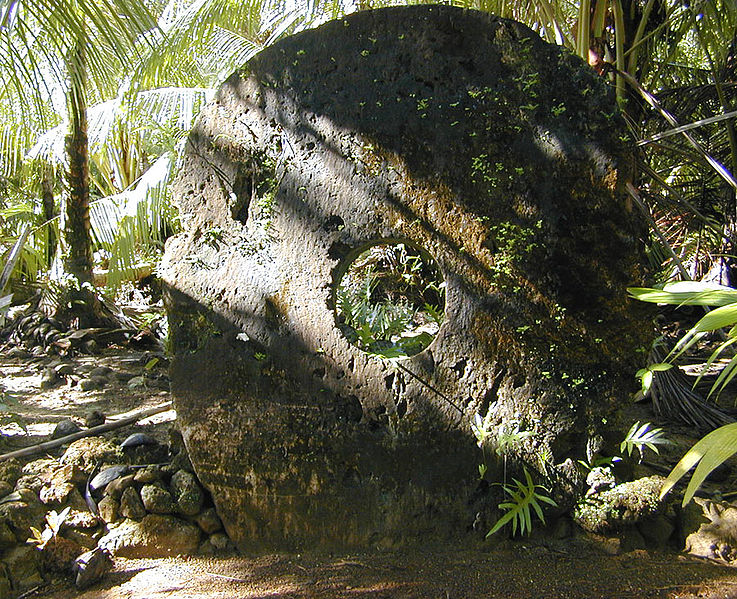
{"type": "Point", "coordinates": [90, 432]}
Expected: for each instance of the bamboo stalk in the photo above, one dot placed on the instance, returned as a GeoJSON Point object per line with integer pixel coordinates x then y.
{"type": "Point", "coordinates": [103, 428]}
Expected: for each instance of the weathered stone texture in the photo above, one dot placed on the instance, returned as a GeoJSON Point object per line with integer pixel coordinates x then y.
{"type": "Point", "coordinates": [455, 131]}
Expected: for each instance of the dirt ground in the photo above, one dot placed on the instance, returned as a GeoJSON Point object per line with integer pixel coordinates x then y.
{"type": "Point", "coordinates": [519, 569]}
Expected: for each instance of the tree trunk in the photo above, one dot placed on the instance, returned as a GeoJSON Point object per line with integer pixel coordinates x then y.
{"type": "Point", "coordinates": [77, 253]}
{"type": "Point", "coordinates": [47, 197]}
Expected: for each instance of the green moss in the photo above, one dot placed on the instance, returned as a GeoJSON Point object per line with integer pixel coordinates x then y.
{"type": "Point", "coordinates": [625, 504]}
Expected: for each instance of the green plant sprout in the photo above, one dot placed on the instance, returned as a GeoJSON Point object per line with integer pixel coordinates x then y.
{"type": "Point", "coordinates": [524, 498]}
{"type": "Point", "coordinates": [640, 437]}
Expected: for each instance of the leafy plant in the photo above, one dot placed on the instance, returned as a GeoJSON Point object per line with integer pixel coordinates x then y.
{"type": "Point", "coordinates": [524, 498]}
{"type": "Point", "coordinates": [724, 301]}
{"type": "Point", "coordinates": [640, 437]}
{"type": "Point", "coordinates": [711, 451]}
{"type": "Point", "coordinates": [720, 444]}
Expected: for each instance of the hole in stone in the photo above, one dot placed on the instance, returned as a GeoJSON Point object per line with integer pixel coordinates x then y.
{"type": "Point", "coordinates": [390, 300]}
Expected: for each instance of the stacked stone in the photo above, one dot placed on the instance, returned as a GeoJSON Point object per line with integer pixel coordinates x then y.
{"type": "Point", "coordinates": [146, 511]}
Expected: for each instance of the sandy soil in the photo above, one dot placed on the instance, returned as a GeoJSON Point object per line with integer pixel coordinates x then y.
{"type": "Point", "coordinates": [521, 569]}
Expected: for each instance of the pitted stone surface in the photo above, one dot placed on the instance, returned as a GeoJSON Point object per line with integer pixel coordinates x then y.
{"type": "Point", "coordinates": [458, 132]}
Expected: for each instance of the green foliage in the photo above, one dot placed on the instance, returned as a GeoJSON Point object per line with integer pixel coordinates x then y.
{"type": "Point", "coordinates": [646, 374]}
{"type": "Point", "coordinates": [384, 300]}
{"type": "Point", "coordinates": [640, 437]}
{"type": "Point", "coordinates": [524, 498]}
{"type": "Point", "coordinates": [724, 299]}
{"type": "Point", "coordinates": [709, 452]}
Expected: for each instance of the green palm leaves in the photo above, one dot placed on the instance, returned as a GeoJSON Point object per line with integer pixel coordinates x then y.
{"type": "Point", "coordinates": [524, 499]}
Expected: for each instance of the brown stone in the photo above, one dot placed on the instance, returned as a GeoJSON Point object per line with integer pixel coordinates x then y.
{"type": "Point", "coordinates": [468, 138]}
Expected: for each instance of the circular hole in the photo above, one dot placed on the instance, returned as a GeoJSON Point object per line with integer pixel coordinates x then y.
{"type": "Point", "coordinates": [390, 300]}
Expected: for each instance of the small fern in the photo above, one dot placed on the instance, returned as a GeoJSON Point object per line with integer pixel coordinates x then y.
{"type": "Point", "coordinates": [524, 499]}
{"type": "Point", "coordinates": [643, 436]}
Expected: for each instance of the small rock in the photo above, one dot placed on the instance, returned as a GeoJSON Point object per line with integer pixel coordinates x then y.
{"type": "Point", "coordinates": [157, 500]}
{"type": "Point", "coordinates": [108, 509]}
{"type": "Point", "coordinates": [19, 516]}
{"type": "Point", "coordinates": [18, 352]}
{"type": "Point", "coordinates": [101, 371]}
{"type": "Point", "coordinates": [50, 379]}
{"type": "Point", "coordinates": [187, 493]}
{"type": "Point", "coordinates": [138, 439]}
{"type": "Point", "coordinates": [131, 505]}
{"type": "Point", "coordinates": [119, 485]}
{"type": "Point", "coordinates": [137, 383]}
{"type": "Point", "coordinates": [38, 352]}
{"type": "Point", "coordinates": [90, 451]}
{"type": "Point", "coordinates": [103, 478]}
{"type": "Point", "coordinates": [148, 475]}
{"type": "Point", "coordinates": [94, 418]}
{"type": "Point", "coordinates": [64, 369]}
{"type": "Point", "coordinates": [63, 481]}
{"type": "Point", "coordinates": [154, 536]}
{"type": "Point", "coordinates": [92, 383]}
{"type": "Point", "coordinates": [64, 428]}
{"type": "Point", "coordinates": [59, 554]}
{"type": "Point", "coordinates": [220, 541]}
{"type": "Point", "coordinates": [600, 479]}
{"type": "Point", "coordinates": [81, 519]}
{"type": "Point", "coordinates": [209, 521]}
{"type": "Point", "coordinates": [91, 347]}
{"type": "Point", "coordinates": [89, 568]}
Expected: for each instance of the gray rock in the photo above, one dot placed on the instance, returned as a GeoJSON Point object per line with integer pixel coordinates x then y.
{"type": "Point", "coordinates": [154, 536]}
{"type": "Point", "coordinates": [157, 499]}
{"type": "Point", "coordinates": [65, 427]}
{"type": "Point", "coordinates": [101, 371]}
{"type": "Point", "coordinates": [220, 541]}
{"type": "Point", "coordinates": [92, 383]}
{"type": "Point", "coordinates": [64, 369]}
{"type": "Point", "coordinates": [187, 493]}
{"type": "Point", "coordinates": [137, 383]}
{"type": "Point", "coordinates": [148, 475]}
{"type": "Point", "coordinates": [94, 418]}
{"type": "Point", "coordinates": [91, 567]}
{"type": "Point", "coordinates": [131, 505]}
{"type": "Point", "coordinates": [50, 379]}
{"type": "Point", "coordinates": [209, 521]}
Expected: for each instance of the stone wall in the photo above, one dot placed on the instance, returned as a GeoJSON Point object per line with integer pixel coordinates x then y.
{"type": "Point", "coordinates": [464, 135]}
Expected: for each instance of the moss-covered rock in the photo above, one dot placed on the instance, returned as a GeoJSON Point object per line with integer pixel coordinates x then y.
{"type": "Point", "coordinates": [623, 505]}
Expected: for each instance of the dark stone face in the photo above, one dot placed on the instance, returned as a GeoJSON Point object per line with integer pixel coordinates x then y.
{"type": "Point", "coordinates": [458, 133]}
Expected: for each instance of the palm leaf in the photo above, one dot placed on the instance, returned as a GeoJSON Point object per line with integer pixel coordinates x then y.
{"type": "Point", "coordinates": [708, 453]}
